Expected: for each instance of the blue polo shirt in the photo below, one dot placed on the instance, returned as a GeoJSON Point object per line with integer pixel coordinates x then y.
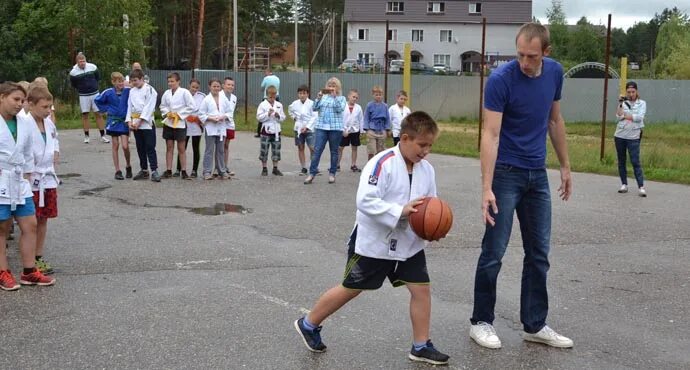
{"type": "Point", "coordinates": [526, 104]}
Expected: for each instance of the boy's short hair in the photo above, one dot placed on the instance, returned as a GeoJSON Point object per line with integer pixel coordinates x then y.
{"type": "Point", "coordinates": [117, 76]}
{"type": "Point", "coordinates": [418, 123]}
{"type": "Point", "coordinates": [402, 93]}
{"type": "Point", "coordinates": [304, 88]}
{"type": "Point", "coordinates": [38, 93]}
{"type": "Point", "coordinates": [228, 78]}
{"type": "Point", "coordinates": [353, 91]}
{"type": "Point", "coordinates": [376, 89]}
{"type": "Point", "coordinates": [193, 80]}
{"type": "Point", "coordinates": [212, 80]}
{"type": "Point", "coordinates": [8, 87]}
{"type": "Point", "coordinates": [271, 90]}
{"type": "Point", "coordinates": [25, 85]}
{"type": "Point", "coordinates": [174, 75]}
{"type": "Point", "coordinates": [136, 73]}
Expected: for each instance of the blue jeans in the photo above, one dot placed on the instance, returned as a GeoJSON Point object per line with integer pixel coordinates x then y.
{"type": "Point", "coordinates": [527, 193]}
{"type": "Point", "coordinates": [632, 147]}
{"type": "Point", "coordinates": [332, 137]}
{"type": "Point", "coordinates": [146, 148]}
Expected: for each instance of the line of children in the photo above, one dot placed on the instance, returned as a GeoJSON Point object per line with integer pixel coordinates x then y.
{"type": "Point", "coordinates": [194, 130]}
{"type": "Point", "coordinates": [353, 120]}
{"type": "Point", "coordinates": [214, 113]}
{"type": "Point", "coordinates": [397, 113]}
{"type": "Point", "coordinates": [176, 105]}
{"type": "Point", "coordinates": [382, 244]}
{"type": "Point", "coordinates": [305, 119]}
{"type": "Point", "coordinates": [140, 107]}
{"type": "Point", "coordinates": [114, 101]}
{"type": "Point", "coordinates": [377, 123]}
{"type": "Point", "coordinates": [270, 113]}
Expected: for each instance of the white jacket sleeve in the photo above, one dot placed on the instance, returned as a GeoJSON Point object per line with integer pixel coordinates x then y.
{"type": "Point", "coordinates": [370, 195]}
{"type": "Point", "coordinates": [189, 105]}
{"type": "Point", "coordinates": [150, 106]}
{"type": "Point", "coordinates": [204, 110]}
{"type": "Point", "coordinates": [360, 120]}
{"type": "Point", "coordinates": [293, 111]}
{"type": "Point", "coordinates": [281, 112]}
{"type": "Point", "coordinates": [165, 103]}
{"type": "Point", "coordinates": [641, 111]}
{"type": "Point", "coordinates": [262, 112]}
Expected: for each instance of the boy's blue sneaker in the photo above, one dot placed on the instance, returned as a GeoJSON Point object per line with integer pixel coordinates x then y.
{"type": "Point", "coordinates": [311, 338]}
{"type": "Point", "coordinates": [429, 354]}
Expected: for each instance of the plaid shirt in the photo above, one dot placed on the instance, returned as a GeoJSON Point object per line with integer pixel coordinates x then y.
{"type": "Point", "coordinates": [330, 112]}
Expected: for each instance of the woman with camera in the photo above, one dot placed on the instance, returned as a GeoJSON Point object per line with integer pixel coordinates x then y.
{"type": "Point", "coordinates": [630, 115]}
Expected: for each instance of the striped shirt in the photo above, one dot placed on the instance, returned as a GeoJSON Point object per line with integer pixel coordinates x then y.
{"type": "Point", "coordinates": [330, 112]}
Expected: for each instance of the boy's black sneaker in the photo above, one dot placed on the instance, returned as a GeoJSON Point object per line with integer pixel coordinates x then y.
{"type": "Point", "coordinates": [428, 354]}
{"type": "Point", "coordinates": [194, 175]}
{"type": "Point", "coordinates": [128, 172]}
{"type": "Point", "coordinates": [264, 172]}
{"type": "Point", "coordinates": [304, 171]}
{"type": "Point", "coordinates": [155, 177]}
{"type": "Point", "coordinates": [167, 174]}
{"type": "Point", "coordinates": [184, 176]}
{"type": "Point", "coordinates": [141, 175]}
{"type": "Point", "coordinates": [176, 174]}
{"type": "Point", "coordinates": [277, 172]}
{"type": "Point", "coordinates": [311, 338]}
{"type": "Point", "coordinates": [118, 175]}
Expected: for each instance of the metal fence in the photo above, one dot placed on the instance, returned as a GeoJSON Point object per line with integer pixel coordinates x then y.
{"type": "Point", "coordinates": [458, 96]}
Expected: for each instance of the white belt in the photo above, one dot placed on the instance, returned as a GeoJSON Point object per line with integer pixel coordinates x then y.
{"type": "Point", "coordinates": [14, 185]}
{"type": "Point", "coordinates": [42, 186]}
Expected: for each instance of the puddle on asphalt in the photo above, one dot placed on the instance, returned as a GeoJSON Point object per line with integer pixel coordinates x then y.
{"type": "Point", "coordinates": [93, 191]}
{"type": "Point", "coordinates": [221, 209]}
{"type": "Point", "coordinates": [69, 175]}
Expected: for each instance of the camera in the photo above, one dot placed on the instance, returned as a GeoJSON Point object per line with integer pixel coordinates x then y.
{"type": "Point", "coordinates": [623, 98]}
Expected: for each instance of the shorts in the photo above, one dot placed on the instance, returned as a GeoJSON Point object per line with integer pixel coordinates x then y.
{"type": "Point", "coordinates": [27, 209]}
{"type": "Point", "coordinates": [266, 142]}
{"type": "Point", "coordinates": [376, 142]}
{"type": "Point", "coordinates": [88, 103]}
{"type": "Point", "coordinates": [116, 133]}
{"type": "Point", "coordinates": [229, 134]}
{"type": "Point", "coordinates": [177, 134]}
{"type": "Point", "coordinates": [351, 139]}
{"type": "Point", "coordinates": [305, 138]}
{"type": "Point", "coordinates": [49, 210]}
{"type": "Point", "coordinates": [366, 273]}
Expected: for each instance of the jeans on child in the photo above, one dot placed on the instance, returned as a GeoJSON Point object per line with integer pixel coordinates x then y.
{"type": "Point", "coordinates": [146, 148]}
{"type": "Point", "coordinates": [214, 145]}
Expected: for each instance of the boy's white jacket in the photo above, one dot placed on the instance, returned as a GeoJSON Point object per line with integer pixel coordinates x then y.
{"type": "Point", "coordinates": [16, 159]}
{"type": "Point", "coordinates": [180, 102]}
{"type": "Point", "coordinates": [270, 124]}
{"type": "Point", "coordinates": [223, 108]}
{"type": "Point", "coordinates": [397, 114]}
{"type": "Point", "coordinates": [194, 128]}
{"type": "Point", "coordinates": [353, 121]}
{"type": "Point", "coordinates": [142, 102]}
{"type": "Point", "coordinates": [303, 114]}
{"type": "Point", "coordinates": [44, 176]}
{"type": "Point", "coordinates": [384, 189]}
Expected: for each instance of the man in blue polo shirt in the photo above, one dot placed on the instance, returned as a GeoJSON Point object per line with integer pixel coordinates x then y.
{"type": "Point", "coordinates": [522, 105]}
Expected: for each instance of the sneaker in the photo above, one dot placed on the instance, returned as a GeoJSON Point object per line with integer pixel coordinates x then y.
{"type": "Point", "coordinates": [331, 179]}
{"type": "Point", "coordinates": [485, 335]}
{"type": "Point", "coordinates": [155, 177]}
{"type": "Point", "coordinates": [184, 175]}
{"type": "Point", "coordinates": [128, 171]}
{"type": "Point", "coordinates": [354, 168]}
{"type": "Point", "coordinates": [141, 175]}
{"type": "Point", "coordinates": [549, 337]}
{"type": "Point", "coordinates": [311, 338]}
{"type": "Point", "coordinates": [167, 174]}
{"type": "Point", "coordinates": [86, 139]}
{"type": "Point", "coordinates": [36, 278]}
{"type": "Point", "coordinates": [309, 180]}
{"type": "Point", "coordinates": [194, 175]}
{"type": "Point", "coordinates": [277, 172]}
{"type": "Point", "coordinates": [623, 189]}
{"type": "Point", "coordinates": [337, 169]}
{"type": "Point", "coordinates": [428, 354]}
{"type": "Point", "coordinates": [105, 140]}
{"type": "Point", "coordinates": [642, 192]}
{"type": "Point", "coordinates": [208, 177]}
{"type": "Point", "coordinates": [118, 175]}
{"type": "Point", "coordinates": [176, 174]}
{"type": "Point", "coordinates": [225, 176]}
{"type": "Point", "coordinates": [264, 172]}
{"type": "Point", "coordinates": [44, 267]}
{"type": "Point", "coordinates": [7, 281]}
{"type": "Point", "coordinates": [304, 171]}
{"type": "Point", "coordinates": [231, 173]}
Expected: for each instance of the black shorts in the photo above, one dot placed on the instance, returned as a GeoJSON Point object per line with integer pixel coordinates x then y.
{"type": "Point", "coordinates": [351, 139]}
{"type": "Point", "coordinates": [116, 133]}
{"type": "Point", "coordinates": [366, 273]}
{"type": "Point", "coordinates": [177, 134]}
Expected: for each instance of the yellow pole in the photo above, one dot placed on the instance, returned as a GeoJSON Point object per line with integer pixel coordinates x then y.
{"type": "Point", "coordinates": [624, 75]}
{"type": "Point", "coordinates": [407, 71]}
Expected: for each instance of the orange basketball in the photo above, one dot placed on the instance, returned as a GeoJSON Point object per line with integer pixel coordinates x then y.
{"type": "Point", "coordinates": [433, 219]}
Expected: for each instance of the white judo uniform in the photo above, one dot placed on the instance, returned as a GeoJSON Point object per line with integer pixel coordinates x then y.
{"type": "Point", "coordinates": [303, 114]}
{"type": "Point", "coordinates": [353, 121]}
{"type": "Point", "coordinates": [397, 114]}
{"type": "Point", "coordinates": [43, 176]}
{"type": "Point", "coordinates": [176, 107]}
{"type": "Point", "coordinates": [270, 125]}
{"type": "Point", "coordinates": [142, 104]}
{"type": "Point", "coordinates": [16, 159]}
{"type": "Point", "coordinates": [210, 108]}
{"type": "Point", "coordinates": [384, 189]}
{"type": "Point", "coordinates": [192, 121]}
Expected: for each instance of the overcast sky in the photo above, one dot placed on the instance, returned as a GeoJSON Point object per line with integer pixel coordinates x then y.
{"type": "Point", "coordinates": [624, 13]}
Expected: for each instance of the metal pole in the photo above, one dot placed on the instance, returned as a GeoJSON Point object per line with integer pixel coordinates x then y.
{"type": "Point", "coordinates": [296, 39]}
{"type": "Point", "coordinates": [385, 67]}
{"type": "Point", "coordinates": [342, 31]}
{"type": "Point", "coordinates": [481, 85]}
{"type": "Point", "coordinates": [311, 60]}
{"type": "Point", "coordinates": [234, 36]}
{"type": "Point", "coordinates": [246, 79]}
{"type": "Point", "coordinates": [606, 90]}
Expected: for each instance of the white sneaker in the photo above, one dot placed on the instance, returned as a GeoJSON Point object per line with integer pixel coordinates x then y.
{"type": "Point", "coordinates": [623, 189]}
{"type": "Point", "coordinates": [485, 335]}
{"type": "Point", "coordinates": [549, 337]}
{"type": "Point", "coordinates": [86, 140]}
{"type": "Point", "coordinates": [104, 139]}
{"type": "Point", "coordinates": [642, 192]}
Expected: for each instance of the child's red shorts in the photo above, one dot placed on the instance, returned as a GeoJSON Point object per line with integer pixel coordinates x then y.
{"type": "Point", "coordinates": [49, 210]}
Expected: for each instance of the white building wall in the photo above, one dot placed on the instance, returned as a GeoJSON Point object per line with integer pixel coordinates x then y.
{"type": "Point", "coordinates": [500, 39]}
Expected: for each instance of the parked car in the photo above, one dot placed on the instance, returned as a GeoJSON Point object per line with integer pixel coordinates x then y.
{"type": "Point", "coordinates": [396, 66]}
{"type": "Point", "coordinates": [349, 65]}
{"type": "Point", "coordinates": [441, 69]}
{"type": "Point", "coordinates": [421, 68]}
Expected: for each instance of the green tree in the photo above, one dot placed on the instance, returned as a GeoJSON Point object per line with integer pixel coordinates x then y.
{"type": "Point", "coordinates": [558, 30]}
{"type": "Point", "coordinates": [585, 44]}
{"type": "Point", "coordinates": [673, 37]}
{"type": "Point", "coordinates": [618, 42]}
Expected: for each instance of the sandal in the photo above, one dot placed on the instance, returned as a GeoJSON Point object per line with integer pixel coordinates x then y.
{"type": "Point", "coordinates": [309, 180]}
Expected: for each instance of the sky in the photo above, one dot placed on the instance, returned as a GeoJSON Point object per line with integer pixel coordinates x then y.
{"type": "Point", "coordinates": [624, 13]}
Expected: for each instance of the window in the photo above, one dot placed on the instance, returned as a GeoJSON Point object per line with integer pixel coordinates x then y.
{"type": "Point", "coordinates": [392, 35]}
{"type": "Point", "coordinates": [418, 35]}
{"type": "Point", "coordinates": [442, 59]}
{"type": "Point", "coordinates": [446, 35]}
{"type": "Point", "coordinates": [395, 7]}
{"type": "Point", "coordinates": [363, 34]}
{"type": "Point", "coordinates": [435, 7]}
{"type": "Point", "coordinates": [475, 8]}
{"type": "Point", "coordinates": [365, 58]}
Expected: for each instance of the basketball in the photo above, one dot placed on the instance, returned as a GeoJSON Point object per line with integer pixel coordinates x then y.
{"type": "Point", "coordinates": [433, 219]}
